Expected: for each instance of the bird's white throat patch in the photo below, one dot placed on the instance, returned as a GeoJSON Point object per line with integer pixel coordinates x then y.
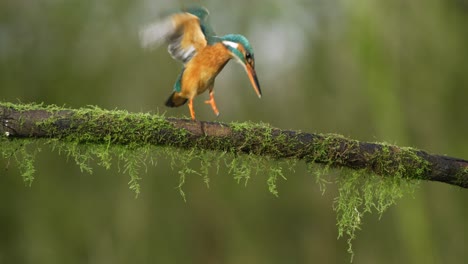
{"type": "Point", "coordinates": [231, 44]}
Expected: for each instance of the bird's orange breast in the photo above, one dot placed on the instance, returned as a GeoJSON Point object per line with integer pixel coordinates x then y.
{"type": "Point", "coordinates": [201, 71]}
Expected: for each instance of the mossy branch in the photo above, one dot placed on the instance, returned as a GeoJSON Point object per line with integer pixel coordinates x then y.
{"type": "Point", "coordinates": [97, 126]}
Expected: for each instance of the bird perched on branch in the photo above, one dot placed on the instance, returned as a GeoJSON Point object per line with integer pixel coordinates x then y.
{"type": "Point", "coordinates": [192, 41]}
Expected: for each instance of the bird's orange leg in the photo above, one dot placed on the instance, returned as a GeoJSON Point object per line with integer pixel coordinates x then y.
{"type": "Point", "coordinates": [192, 112]}
{"type": "Point", "coordinates": [212, 103]}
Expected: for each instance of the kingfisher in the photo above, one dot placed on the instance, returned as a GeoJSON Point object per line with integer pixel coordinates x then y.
{"type": "Point", "coordinates": [192, 41]}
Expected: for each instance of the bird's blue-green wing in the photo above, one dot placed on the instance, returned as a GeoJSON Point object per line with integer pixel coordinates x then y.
{"type": "Point", "coordinates": [178, 83]}
{"type": "Point", "coordinates": [203, 15]}
{"type": "Point", "coordinates": [186, 32]}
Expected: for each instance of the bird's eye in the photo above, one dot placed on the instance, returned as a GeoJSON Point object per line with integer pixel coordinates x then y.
{"type": "Point", "coordinates": [249, 59]}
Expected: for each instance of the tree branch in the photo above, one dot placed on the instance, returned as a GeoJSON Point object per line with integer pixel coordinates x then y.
{"type": "Point", "coordinates": [94, 125]}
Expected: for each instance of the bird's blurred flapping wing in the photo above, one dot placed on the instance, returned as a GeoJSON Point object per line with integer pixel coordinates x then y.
{"type": "Point", "coordinates": [186, 32]}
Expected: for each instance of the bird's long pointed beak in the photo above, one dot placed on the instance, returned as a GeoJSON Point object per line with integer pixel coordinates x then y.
{"type": "Point", "coordinates": [253, 79]}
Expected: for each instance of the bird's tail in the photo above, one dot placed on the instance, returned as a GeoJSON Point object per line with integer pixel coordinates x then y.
{"type": "Point", "coordinates": [175, 100]}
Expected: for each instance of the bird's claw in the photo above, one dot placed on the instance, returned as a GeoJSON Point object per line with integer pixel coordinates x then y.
{"type": "Point", "coordinates": [213, 106]}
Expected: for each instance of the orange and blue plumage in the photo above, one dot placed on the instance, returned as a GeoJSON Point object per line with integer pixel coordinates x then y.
{"type": "Point", "coordinates": [193, 42]}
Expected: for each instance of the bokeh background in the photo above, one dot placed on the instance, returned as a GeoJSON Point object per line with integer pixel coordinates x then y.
{"type": "Point", "coordinates": [373, 70]}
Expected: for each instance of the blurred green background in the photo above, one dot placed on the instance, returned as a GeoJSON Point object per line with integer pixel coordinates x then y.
{"type": "Point", "coordinates": [394, 71]}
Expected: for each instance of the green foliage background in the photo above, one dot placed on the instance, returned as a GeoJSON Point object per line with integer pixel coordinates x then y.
{"type": "Point", "coordinates": [392, 71]}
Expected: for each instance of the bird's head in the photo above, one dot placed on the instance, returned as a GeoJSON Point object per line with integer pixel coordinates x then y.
{"type": "Point", "coordinates": [242, 52]}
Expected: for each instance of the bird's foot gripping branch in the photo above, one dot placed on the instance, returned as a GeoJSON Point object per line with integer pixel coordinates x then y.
{"type": "Point", "coordinates": [370, 176]}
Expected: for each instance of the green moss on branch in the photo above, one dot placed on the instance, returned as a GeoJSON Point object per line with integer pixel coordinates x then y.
{"type": "Point", "coordinates": [93, 125]}
{"type": "Point", "coordinates": [373, 175]}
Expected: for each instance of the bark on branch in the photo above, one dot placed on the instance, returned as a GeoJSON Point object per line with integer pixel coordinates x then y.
{"type": "Point", "coordinates": [93, 125]}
